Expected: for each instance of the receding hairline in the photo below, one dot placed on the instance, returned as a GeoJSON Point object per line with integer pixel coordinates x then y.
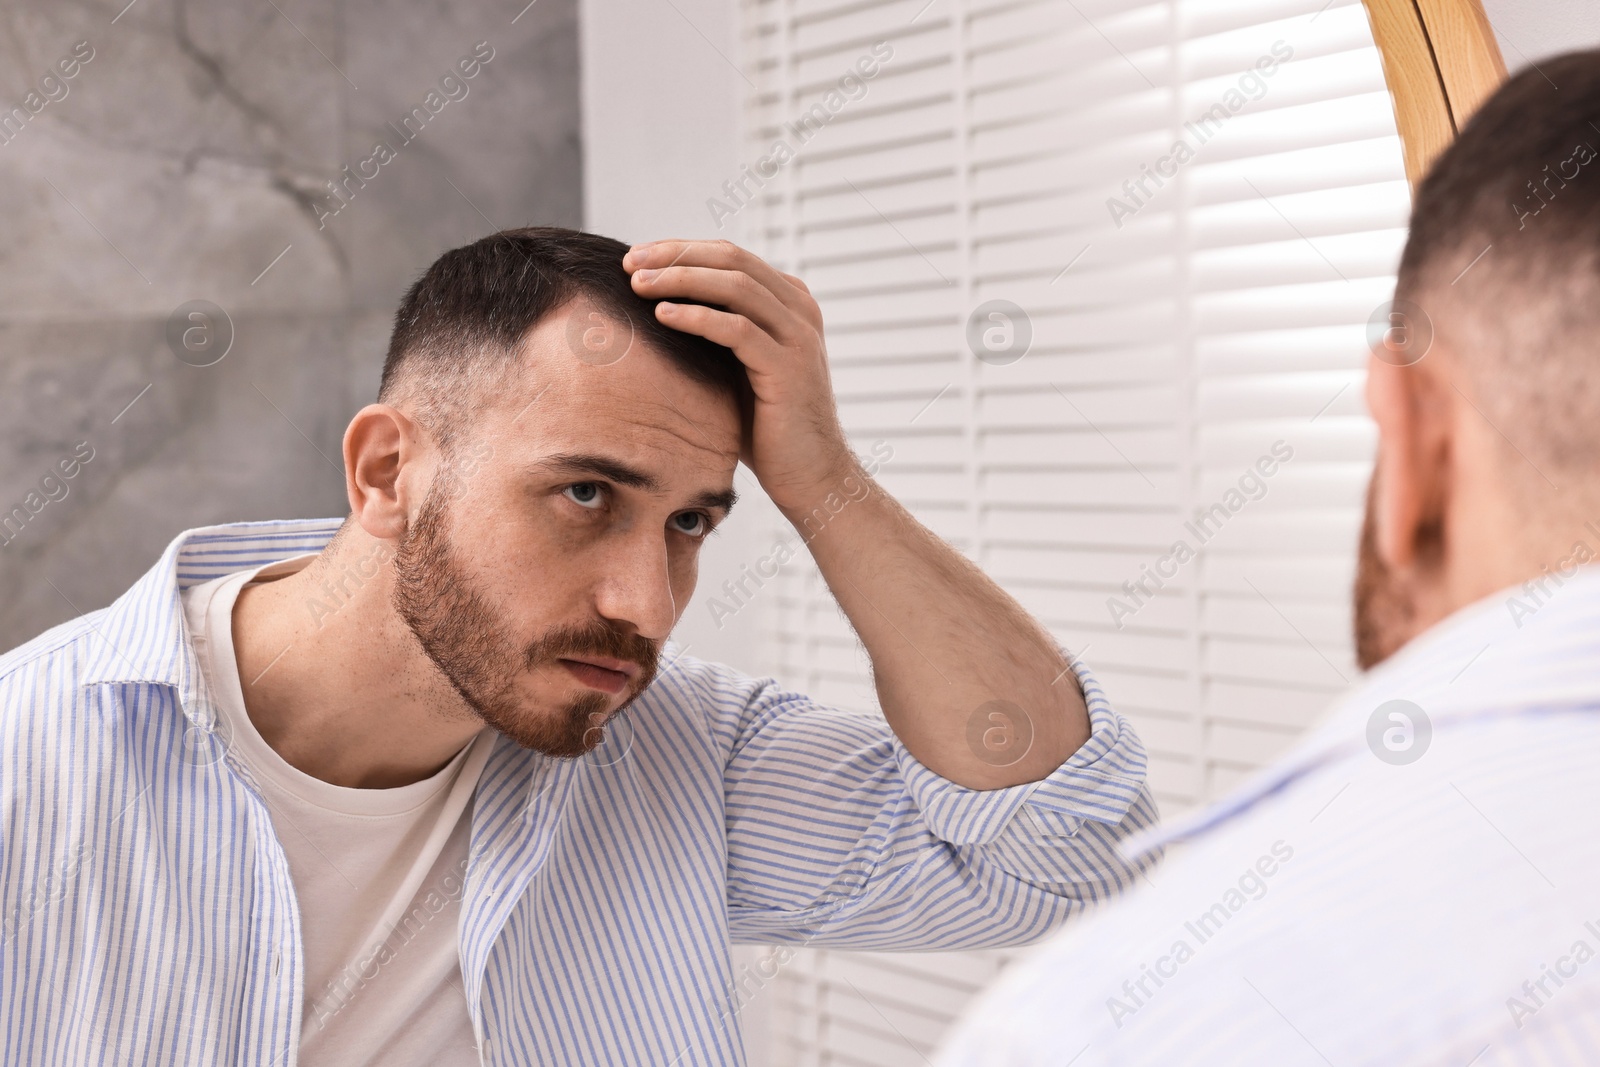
{"type": "Point", "coordinates": [454, 422]}
{"type": "Point", "coordinates": [467, 319]}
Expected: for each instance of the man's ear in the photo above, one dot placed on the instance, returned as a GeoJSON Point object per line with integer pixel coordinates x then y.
{"type": "Point", "coordinates": [1412, 469]}
{"type": "Point", "coordinates": [380, 444]}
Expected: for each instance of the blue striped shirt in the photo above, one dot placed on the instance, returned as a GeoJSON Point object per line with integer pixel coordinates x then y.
{"type": "Point", "coordinates": [149, 917]}
{"type": "Point", "coordinates": [1397, 891]}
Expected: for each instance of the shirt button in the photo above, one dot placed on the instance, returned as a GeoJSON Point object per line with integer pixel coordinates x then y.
{"type": "Point", "coordinates": [277, 962]}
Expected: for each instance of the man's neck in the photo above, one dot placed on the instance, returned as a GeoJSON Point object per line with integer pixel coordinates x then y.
{"type": "Point", "coordinates": [1496, 543]}
{"type": "Point", "coordinates": [336, 682]}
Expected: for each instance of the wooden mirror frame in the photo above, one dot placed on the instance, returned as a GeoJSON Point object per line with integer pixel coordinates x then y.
{"type": "Point", "coordinates": [1441, 61]}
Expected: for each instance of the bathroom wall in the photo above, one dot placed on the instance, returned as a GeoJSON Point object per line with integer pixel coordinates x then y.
{"type": "Point", "coordinates": [167, 159]}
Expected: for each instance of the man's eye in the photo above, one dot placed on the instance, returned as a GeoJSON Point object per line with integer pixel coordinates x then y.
{"type": "Point", "coordinates": [692, 523]}
{"type": "Point", "coordinates": [585, 495]}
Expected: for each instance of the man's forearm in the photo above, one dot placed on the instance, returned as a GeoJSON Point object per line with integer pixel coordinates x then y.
{"type": "Point", "coordinates": [976, 689]}
{"type": "Point", "coordinates": [973, 686]}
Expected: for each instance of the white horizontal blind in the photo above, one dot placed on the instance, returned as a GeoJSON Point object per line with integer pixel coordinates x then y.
{"type": "Point", "coordinates": [1177, 335]}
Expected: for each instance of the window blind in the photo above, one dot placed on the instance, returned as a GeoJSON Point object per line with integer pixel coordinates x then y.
{"type": "Point", "coordinates": [1189, 210]}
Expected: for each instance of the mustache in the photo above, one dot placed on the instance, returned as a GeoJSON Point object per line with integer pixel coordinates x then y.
{"type": "Point", "coordinates": [595, 639]}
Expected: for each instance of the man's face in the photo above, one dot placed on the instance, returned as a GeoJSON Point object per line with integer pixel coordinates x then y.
{"type": "Point", "coordinates": [558, 547]}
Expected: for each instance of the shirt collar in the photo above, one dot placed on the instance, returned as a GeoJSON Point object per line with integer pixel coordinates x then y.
{"type": "Point", "coordinates": [1521, 650]}
{"type": "Point", "coordinates": [142, 636]}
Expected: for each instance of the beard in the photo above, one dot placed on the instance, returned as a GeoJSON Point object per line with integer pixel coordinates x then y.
{"type": "Point", "coordinates": [484, 661]}
{"type": "Point", "coordinates": [1386, 605]}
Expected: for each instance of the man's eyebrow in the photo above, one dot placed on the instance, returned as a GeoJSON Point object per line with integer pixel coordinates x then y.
{"type": "Point", "coordinates": [581, 463]}
{"type": "Point", "coordinates": [717, 498]}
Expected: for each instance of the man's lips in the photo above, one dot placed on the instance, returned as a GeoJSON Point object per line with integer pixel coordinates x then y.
{"type": "Point", "coordinates": [611, 675]}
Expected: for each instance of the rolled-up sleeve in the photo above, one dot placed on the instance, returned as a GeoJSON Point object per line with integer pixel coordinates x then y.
{"type": "Point", "coordinates": [839, 836]}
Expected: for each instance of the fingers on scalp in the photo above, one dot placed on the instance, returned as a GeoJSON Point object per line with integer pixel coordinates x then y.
{"type": "Point", "coordinates": [719, 252]}
{"type": "Point", "coordinates": [691, 317]}
{"type": "Point", "coordinates": [736, 328]}
{"type": "Point", "coordinates": [750, 286]}
{"type": "Point", "coordinates": [664, 254]}
{"type": "Point", "coordinates": [684, 255]}
{"type": "Point", "coordinates": [719, 285]}
{"type": "Point", "coordinates": [725, 328]}
{"type": "Point", "coordinates": [752, 277]}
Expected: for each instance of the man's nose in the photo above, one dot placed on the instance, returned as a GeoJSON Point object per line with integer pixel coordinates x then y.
{"type": "Point", "coordinates": [636, 590]}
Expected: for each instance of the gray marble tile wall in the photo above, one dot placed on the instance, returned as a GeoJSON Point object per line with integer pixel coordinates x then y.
{"type": "Point", "coordinates": [165, 152]}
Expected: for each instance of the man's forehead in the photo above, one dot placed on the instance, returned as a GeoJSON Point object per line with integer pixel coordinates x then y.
{"type": "Point", "coordinates": [645, 430]}
{"type": "Point", "coordinates": [638, 404]}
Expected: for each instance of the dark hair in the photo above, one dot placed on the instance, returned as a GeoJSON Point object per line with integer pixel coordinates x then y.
{"type": "Point", "coordinates": [1504, 253]}
{"type": "Point", "coordinates": [1503, 179]}
{"type": "Point", "coordinates": [468, 314]}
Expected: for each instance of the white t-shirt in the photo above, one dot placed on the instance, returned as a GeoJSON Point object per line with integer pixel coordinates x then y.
{"type": "Point", "coordinates": [378, 873]}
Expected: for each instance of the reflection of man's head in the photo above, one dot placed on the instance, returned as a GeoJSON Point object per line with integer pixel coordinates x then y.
{"type": "Point", "coordinates": [579, 452]}
{"type": "Point", "coordinates": [1503, 259]}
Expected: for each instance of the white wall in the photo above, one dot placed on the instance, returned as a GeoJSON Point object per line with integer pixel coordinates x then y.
{"type": "Point", "coordinates": [661, 98]}
{"type": "Point", "coordinates": [1531, 30]}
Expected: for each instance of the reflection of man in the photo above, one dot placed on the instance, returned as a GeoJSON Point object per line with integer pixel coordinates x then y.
{"type": "Point", "coordinates": [282, 745]}
{"type": "Point", "coordinates": [1419, 881]}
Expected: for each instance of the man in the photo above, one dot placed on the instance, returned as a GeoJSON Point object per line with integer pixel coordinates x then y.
{"type": "Point", "coordinates": [360, 792]}
{"type": "Point", "coordinates": [1418, 882]}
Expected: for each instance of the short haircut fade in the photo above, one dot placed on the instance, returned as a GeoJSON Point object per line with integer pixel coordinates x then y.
{"type": "Point", "coordinates": [466, 318]}
{"type": "Point", "coordinates": [1504, 243]}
